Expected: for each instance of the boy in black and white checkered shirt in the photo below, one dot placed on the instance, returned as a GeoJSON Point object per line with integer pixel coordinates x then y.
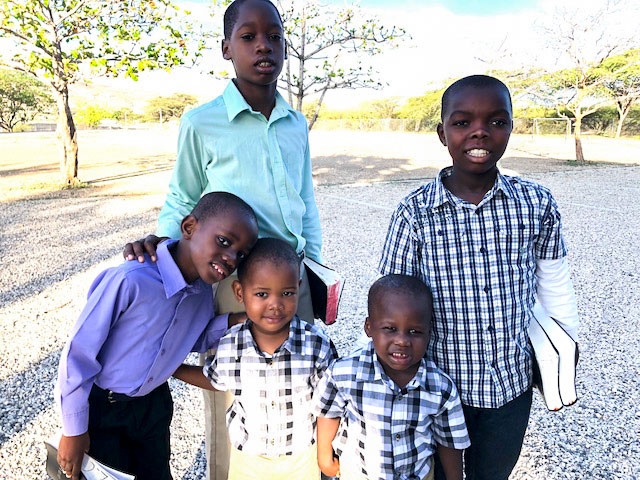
{"type": "Point", "coordinates": [271, 364]}
{"type": "Point", "coordinates": [394, 407]}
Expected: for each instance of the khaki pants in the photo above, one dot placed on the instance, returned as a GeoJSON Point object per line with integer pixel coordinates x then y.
{"type": "Point", "coordinates": [217, 403]}
{"type": "Point", "coordinates": [302, 466]}
{"type": "Point", "coordinates": [350, 469]}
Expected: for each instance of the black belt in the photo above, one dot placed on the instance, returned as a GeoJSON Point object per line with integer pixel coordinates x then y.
{"type": "Point", "coordinates": [111, 396]}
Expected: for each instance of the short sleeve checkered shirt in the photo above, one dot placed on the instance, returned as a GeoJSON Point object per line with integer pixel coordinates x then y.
{"type": "Point", "coordinates": [395, 430]}
{"type": "Point", "coordinates": [271, 414]}
{"type": "Point", "coordinates": [480, 263]}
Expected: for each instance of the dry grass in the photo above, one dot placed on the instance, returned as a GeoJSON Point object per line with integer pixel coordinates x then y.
{"type": "Point", "coordinates": [138, 162]}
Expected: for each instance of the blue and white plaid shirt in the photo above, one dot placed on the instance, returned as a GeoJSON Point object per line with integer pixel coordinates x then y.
{"type": "Point", "coordinates": [393, 430]}
{"type": "Point", "coordinates": [271, 414]}
{"type": "Point", "coordinates": [479, 261]}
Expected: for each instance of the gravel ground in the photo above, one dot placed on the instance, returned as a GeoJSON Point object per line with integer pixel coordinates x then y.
{"type": "Point", "coordinates": [53, 245]}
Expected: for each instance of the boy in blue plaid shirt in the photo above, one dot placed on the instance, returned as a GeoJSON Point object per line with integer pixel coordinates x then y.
{"type": "Point", "coordinates": [487, 245]}
{"type": "Point", "coordinates": [394, 407]}
{"type": "Point", "coordinates": [271, 363]}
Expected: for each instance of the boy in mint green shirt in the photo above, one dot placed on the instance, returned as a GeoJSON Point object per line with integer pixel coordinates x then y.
{"type": "Point", "coordinates": [251, 143]}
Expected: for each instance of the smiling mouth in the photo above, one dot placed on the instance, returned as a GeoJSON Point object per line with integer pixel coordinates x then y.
{"type": "Point", "coordinates": [218, 269]}
{"type": "Point", "coordinates": [478, 152]}
{"type": "Point", "coordinates": [399, 356]}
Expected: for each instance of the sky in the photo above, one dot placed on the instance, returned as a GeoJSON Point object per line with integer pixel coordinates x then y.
{"type": "Point", "coordinates": [448, 39]}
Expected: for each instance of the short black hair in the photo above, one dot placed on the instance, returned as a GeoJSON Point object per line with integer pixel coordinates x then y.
{"type": "Point", "coordinates": [270, 250]}
{"type": "Point", "coordinates": [473, 81]}
{"type": "Point", "coordinates": [233, 11]}
{"type": "Point", "coordinates": [399, 284]}
{"type": "Point", "coordinates": [216, 203]}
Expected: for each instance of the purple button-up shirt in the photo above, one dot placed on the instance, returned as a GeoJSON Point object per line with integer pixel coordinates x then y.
{"type": "Point", "coordinates": [140, 322]}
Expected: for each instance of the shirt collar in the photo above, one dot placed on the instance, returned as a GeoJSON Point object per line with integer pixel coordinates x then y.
{"type": "Point", "coordinates": [370, 370]}
{"type": "Point", "coordinates": [171, 275]}
{"type": "Point", "coordinates": [235, 103]}
{"type": "Point", "coordinates": [298, 342]}
{"type": "Point", "coordinates": [441, 195]}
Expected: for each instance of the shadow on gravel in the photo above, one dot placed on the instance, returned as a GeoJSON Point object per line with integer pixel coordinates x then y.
{"type": "Point", "coordinates": [341, 169]}
{"type": "Point", "coordinates": [198, 466]}
{"type": "Point", "coordinates": [47, 238]}
{"type": "Point", "coordinates": [15, 172]}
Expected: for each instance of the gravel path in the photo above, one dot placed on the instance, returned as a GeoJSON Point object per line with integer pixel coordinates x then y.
{"type": "Point", "coordinates": [52, 247]}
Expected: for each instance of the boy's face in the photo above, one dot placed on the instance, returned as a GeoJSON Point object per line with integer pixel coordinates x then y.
{"type": "Point", "coordinates": [270, 296]}
{"type": "Point", "coordinates": [400, 327]}
{"type": "Point", "coordinates": [218, 244]}
{"type": "Point", "coordinates": [256, 46]}
{"type": "Point", "coordinates": [476, 128]}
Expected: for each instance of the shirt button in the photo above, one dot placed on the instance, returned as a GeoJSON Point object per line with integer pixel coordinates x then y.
{"type": "Point", "coordinates": [486, 289]}
{"type": "Point", "coordinates": [273, 404]}
{"type": "Point", "coordinates": [273, 442]}
{"type": "Point", "coordinates": [490, 328]}
{"type": "Point", "coordinates": [397, 436]}
{"type": "Point", "coordinates": [150, 380]}
{"type": "Point", "coordinates": [483, 250]}
{"type": "Point", "coordinates": [162, 352]}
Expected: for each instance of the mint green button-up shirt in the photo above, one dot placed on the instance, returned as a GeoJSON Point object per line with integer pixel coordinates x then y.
{"type": "Point", "coordinates": [225, 146]}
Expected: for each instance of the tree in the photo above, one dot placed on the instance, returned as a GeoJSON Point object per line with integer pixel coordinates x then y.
{"type": "Point", "coordinates": [22, 98]}
{"type": "Point", "coordinates": [58, 40]}
{"type": "Point", "coordinates": [326, 46]}
{"type": "Point", "coordinates": [587, 39]}
{"type": "Point", "coordinates": [423, 110]}
{"type": "Point", "coordinates": [172, 106]}
{"type": "Point", "coordinates": [622, 82]}
{"type": "Point", "coordinates": [92, 115]}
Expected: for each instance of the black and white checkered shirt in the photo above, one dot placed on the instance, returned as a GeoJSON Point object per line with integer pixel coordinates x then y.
{"type": "Point", "coordinates": [272, 411]}
{"type": "Point", "coordinates": [480, 263]}
{"type": "Point", "coordinates": [393, 430]}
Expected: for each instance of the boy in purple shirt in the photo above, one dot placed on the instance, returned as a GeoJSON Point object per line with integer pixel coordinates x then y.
{"type": "Point", "coordinates": [140, 322]}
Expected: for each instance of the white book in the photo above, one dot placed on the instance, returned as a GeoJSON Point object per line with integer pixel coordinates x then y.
{"type": "Point", "coordinates": [555, 360]}
{"type": "Point", "coordinates": [91, 468]}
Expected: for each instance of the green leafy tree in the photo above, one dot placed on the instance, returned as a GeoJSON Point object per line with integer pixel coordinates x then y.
{"type": "Point", "coordinates": [22, 98]}
{"type": "Point", "coordinates": [621, 80]}
{"type": "Point", "coordinates": [92, 115]}
{"type": "Point", "coordinates": [172, 106]}
{"type": "Point", "coordinates": [58, 40]}
{"type": "Point", "coordinates": [327, 46]}
{"type": "Point", "coordinates": [423, 110]}
{"type": "Point", "coordinates": [585, 40]}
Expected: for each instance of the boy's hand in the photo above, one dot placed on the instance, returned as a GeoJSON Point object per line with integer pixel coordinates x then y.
{"type": "Point", "coordinates": [139, 247]}
{"type": "Point", "coordinates": [329, 466]}
{"type": "Point", "coordinates": [70, 454]}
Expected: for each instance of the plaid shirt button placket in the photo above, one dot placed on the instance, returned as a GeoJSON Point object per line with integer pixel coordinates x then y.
{"type": "Point", "coordinates": [480, 263]}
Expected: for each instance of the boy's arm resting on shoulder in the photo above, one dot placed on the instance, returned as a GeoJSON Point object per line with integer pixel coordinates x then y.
{"type": "Point", "coordinates": [193, 375]}
{"type": "Point", "coordinates": [451, 459]}
{"type": "Point", "coordinates": [327, 430]}
{"type": "Point", "coordinates": [311, 230]}
{"type": "Point", "coordinates": [188, 180]}
{"type": "Point", "coordinates": [138, 248]}
{"type": "Point", "coordinates": [71, 451]}
{"type": "Point", "coordinates": [556, 294]}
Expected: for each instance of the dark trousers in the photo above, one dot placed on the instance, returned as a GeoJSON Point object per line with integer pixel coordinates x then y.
{"type": "Point", "coordinates": [496, 439]}
{"type": "Point", "coordinates": [131, 434]}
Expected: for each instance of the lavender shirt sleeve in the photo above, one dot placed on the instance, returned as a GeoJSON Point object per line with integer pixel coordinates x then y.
{"type": "Point", "coordinates": [79, 364]}
{"type": "Point", "coordinates": [212, 334]}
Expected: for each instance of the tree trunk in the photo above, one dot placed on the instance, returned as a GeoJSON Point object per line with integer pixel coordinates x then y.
{"type": "Point", "coordinates": [317, 112]}
{"type": "Point", "coordinates": [67, 138]}
{"type": "Point", "coordinates": [579, 153]}
{"type": "Point", "coordinates": [623, 110]}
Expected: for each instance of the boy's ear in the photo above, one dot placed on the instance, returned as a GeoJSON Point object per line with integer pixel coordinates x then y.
{"type": "Point", "coordinates": [225, 49]}
{"type": "Point", "coordinates": [236, 287]}
{"type": "Point", "coordinates": [188, 226]}
{"type": "Point", "coordinates": [440, 130]}
{"type": "Point", "coordinates": [367, 327]}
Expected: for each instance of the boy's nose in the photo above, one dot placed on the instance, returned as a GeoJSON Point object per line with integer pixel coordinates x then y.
{"type": "Point", "coordinates": [479, 132]}
{"type": "Point", "coordinates": [402, 339]}
{"type": "Point", "coordinates": [264, 45]}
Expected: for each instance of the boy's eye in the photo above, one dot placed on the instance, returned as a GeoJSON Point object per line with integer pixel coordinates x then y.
{"type": "Point", "coordinates": [276, 37]}
{"type": "Point", "coordinates": [261, 294]}
{"type": "Point", "coordinates": [247, 36]}
{"type": "Point", "coordinates": [415, 332]}
{"type": "Point", "coordinates": [499, 123]}
{"type": "Point", "coordinates": [460, 123]}
{"type": "Point", "coordinates": [389, 329]}
{"type": "Point", "coordinates": [288, 294]}
{"type": "Point", "coordinates": [224, 242]}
